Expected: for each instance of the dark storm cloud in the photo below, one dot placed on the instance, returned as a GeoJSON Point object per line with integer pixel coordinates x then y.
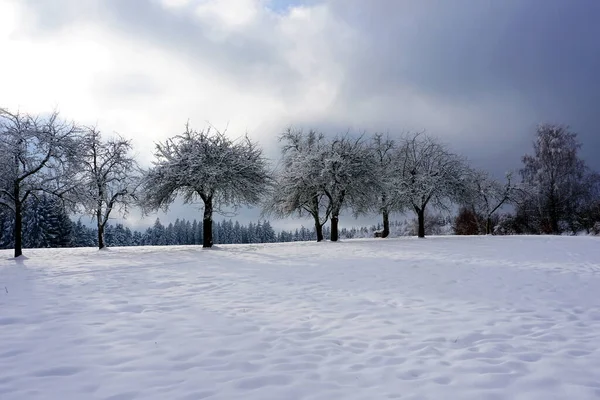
{"type": "Point", "coordinates": [543, 55]}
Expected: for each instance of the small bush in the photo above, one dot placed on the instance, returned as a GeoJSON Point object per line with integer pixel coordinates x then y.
{"type": "Point", "coordinates": [466, 222]}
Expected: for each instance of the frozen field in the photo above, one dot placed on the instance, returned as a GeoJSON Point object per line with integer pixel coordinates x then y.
{"type": "Point", "coordinates": [442, 318]}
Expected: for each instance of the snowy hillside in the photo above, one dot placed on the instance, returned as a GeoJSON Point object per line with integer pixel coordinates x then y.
{"type": "Point", "coordinates": [440, 318]}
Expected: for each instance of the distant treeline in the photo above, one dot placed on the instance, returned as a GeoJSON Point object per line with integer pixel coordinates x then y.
{"type": "Point", "coordinates": [47, 224]}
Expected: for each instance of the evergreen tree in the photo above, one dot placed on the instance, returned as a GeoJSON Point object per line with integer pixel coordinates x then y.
{"type": "Point", "coordinates": [137, 239]}
{"type": "Point", "coordinates": [109, 235]}
{"type": "Point", "coordinates": [59, 226]}
{"type": "Point", "coordinates": [268, 235]}
{"type": "Point", "coordinates": [82, 236]}
{"type": "Point", "coordinates": [195, 233]}
{"type": "Point", "coordinates": [157, 234]}
{"type": "Point", "coordinates": [237, 229]}
{"type": "Point", "coordinates": [6, 228]}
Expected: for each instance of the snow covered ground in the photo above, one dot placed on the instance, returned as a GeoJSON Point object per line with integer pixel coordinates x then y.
{"type": "Point", "coordinates": [440, 318]}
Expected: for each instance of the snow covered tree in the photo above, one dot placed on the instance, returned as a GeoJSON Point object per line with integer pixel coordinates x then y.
{"type": "Point", "coordinates": [156, 234]}
{"type": "Point", "coordinates": [189, 233]}
{"type": "Point", "coordinates": [82, 236]}
{"type": "Point", "coordinates": [298, 188]}
{"type": "Point", "coordinates": [207, 165]}
{"type": "Point", "coordinates": [268, 235]}
{"type": "Point", "coordinates": [487, 195]}
{"type": "Point", "coordinates": [36, 215]}
{"type": "Point", "coordinates": [60, 224]}
{"type": "Point", "coordinates": [137, 239]}
{"type": "Point", "coordinates": [118, 235]}
{"type": "Point", "coordinates": [554, 178]}
{"type": "Point", "coordinates": [196, 232]}
{"type": "Point", "coordinates": [6, 228]}
{"type": "Point", "coordinates": [385, 155]}
{"type": "Point", "coordinates": [170, 239]}
{"type": "Point", "coordinates": [38, 154]}
{"type": "Point", "coordinates": [587, 209]}
{"type": "Point", "coordinates": [429, 175]}
{"type": "Point", "coordinates": [348, 178]}
{"type": "Point", "coordinates": [216, 232]}
{"type": "Point", "coordinates": [237, 228]}
{"type": "Point", "coordinates": [109, 178]}
{"type": "Point", "coordinates": [321, 177]}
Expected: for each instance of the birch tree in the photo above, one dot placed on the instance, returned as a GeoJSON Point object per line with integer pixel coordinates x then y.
{"type": "Point", "coordinates": [209, 166]}
{"type": "Point", "coordinates": [553, 175]}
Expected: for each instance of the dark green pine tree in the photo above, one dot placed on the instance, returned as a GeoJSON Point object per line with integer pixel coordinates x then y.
{"type": "Point", "coordinates": [35, 224]}
{"type": "Point", "coordinates": [137, 239]}
{"type": "Point", "coordinates": [157, 236]}
{"type": "Point", "coordinates": [82, 236]}
{"type": "Point", "coordinates": [268, 234]}
{"type": "Point", "coordinates": [58, 224]}
{"type": "Point", "coordinates": [6, 228]}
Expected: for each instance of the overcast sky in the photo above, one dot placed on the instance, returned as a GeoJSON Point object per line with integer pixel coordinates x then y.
{"type": "Point", "coordinates": [479, 74]}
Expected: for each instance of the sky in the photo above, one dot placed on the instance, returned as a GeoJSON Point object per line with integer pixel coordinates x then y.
{"type": "Point", "coordinates": [478, 74]}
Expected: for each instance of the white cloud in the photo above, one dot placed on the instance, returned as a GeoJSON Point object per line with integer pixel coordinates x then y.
{"type": "Point", "coordinates": [229, 14]}
{"type": "Point", "coordinates": [122, 82]}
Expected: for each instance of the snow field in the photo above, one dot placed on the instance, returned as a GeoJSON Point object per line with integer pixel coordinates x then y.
{"type": "Point", "coordinates": [440, 318]}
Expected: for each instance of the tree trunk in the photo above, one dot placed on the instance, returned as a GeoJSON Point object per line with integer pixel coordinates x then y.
{"type": "Point", "coordinates": [554, 217]}
{"type": "Point", "coordinates": [18, 228]}
{"type": "Point", "coordinates": [554, 223]}
{"type": "Point", "coordinates": [315, 214]}
{"type": "Point", "coordinates": [319, 230]}
{"type": "Point", "coordinates": [101, 244]}
{"type": "Point", "coordinates": [421, 219]}
{"type": "Point", "coordinates": [386, 223]}
{"type": "Point", "coordinates": [334, 228]}
{"type": "Point", "coordinates": [100, 225]}
{"type": "Point", "coordinates": [207, 234]}
{"type": "Point", "coordinates": [488, 225]}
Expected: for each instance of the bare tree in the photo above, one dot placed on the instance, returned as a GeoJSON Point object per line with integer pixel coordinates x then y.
{"type": "Point", "coordinates": [429, 175]}
{"type": "Point", "coordinates": [487, 196]}
{"type": "Point", "coordinates": [109, 178]}
{"type": "Point", "coordinates": [38, 154]}
{"type": "Point", "coordinates": [299, 181]}
{"type": "Point", "coordinates": [207, 165]}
